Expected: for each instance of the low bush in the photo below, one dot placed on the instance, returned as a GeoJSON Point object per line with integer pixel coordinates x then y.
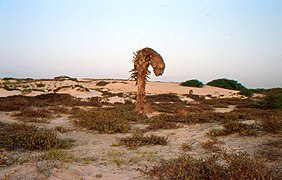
{"type": "Point", "coordinates": [234, 127]}
{"type": "Point", "coordinates": [271, 150]}
{"type": "Point", "coordinates": [107, 120]}
{"type": "Point", "coordinates": [166, 107]}
{"type": "Point", "coordinates": [34, 115]}
{"type": "Point", "coordinates": [102, 83]}
{"type": "Point", "coordinates": [29, 137]}
{"type": "Point", "coordinates": [157, 123]}
{"type": "Point", "coordinates": [39, 85]}
{"type": "Point", "coordinates": [246, 92]}
{"type": "Point", "coordinates": [192, 83]}
{"type": "Point", "coordinates": [164, 98]}
{"type": "Point", "coordinates": [138, 139]}
{"type": "Point", "coordinates": [272, 125]}
{"type": "Point", "coordinates": [273, 98]}
{"type": "Point", "coordinates": [211, 145]}
{"type": "Point", "coordinates": [236, 166]}
{"type": "Point", "coordinates": [12, 103]}
{"type": "Point", "coordinates": [227, 84]}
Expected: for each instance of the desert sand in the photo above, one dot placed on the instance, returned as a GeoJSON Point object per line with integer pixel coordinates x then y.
{"type": "Point", "coordinates": [106, 159]}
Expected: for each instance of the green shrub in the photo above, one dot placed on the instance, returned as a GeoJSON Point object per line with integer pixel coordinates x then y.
{"type": "Point", "coordinates": [107, 120]}
{"type": "Point", "coordinates": [8, 78]}
{"type": "Point", "coordinates": [192, 83]}
{"type": "Point", "coordinates": [30, 137]}
{"type": "Point", "coordinates": [259, 90]}
{"type": "Point", "coordinates": [138, 139]}
{"type": "Point", "coordinates": [273, 98]}
{"type": "Point", "coordinates": [246, 92]}
{"type": "Point", "coordinates": [227, 84]}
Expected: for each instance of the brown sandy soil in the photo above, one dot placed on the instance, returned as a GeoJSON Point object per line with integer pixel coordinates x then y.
{"type": "Point", "coordinates": [98, 156]}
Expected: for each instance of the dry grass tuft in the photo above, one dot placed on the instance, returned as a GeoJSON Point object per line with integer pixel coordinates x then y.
{"type": "Point", "coordinates": [211, 145]}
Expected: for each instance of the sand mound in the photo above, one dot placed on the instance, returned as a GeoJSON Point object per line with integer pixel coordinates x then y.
{"type": "Point", "coordinates": [78, 91]}
{"type": "Point", "coordinates": [5, 93]}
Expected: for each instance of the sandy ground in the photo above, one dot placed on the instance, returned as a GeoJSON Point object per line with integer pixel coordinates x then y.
{"type": "Point", "coordinates": [111, 161]}
{"type": "Point", "coordinates": [123, 86]}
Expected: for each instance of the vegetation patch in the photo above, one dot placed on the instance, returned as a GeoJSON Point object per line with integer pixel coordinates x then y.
{"type": "Point", "coordinates": [185, 146]}
{"type": "Point", "coordinates": [170, 107]}
{"type": "Point", "coordinates": [235, 166]}
{"type": "Point", "coordinates": [158, 123]}
{"type": "Point", "coordinates": [23, 136]}
{"type": "Point", "coordinates": [107, 120]}
{"type": "Point", "coordinates": [34, 115]}
{"type": "Point", "coordinates": [63, 78]}
{"type": "Point", "coordinates": [227, 84]}
{"type": "Point", "coordinates": [272, 125]}
{"type": "Point", "coordinates": [246, 92]}
{"type": "Point", "coordinates": [273, 98]}
{"type": "Point", "coordinates": [192, 83]}
{"type": "Point", "coordinates": [13, 103]}
{"type": "Point", "coordinates": [39, 85]}
{"type": "Point", "coordinates": [102, 83]}
{"type": "Point", "coordinates": [138, 139]}
{"type": "Point", "coordinates": [234, 127]}
{"type": "Point", "coordinates": [211, 145]}
{"type": "Point", "coordinates": [271, 150]}
{"type": "Point", "coordinates": [164, 98]}
{"type": "Point", "coordinates": [57, 155]}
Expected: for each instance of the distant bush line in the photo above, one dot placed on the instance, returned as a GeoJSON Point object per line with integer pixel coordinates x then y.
{"type": "Point", "coordinates": [222, 83]}
{"type": "Point", "coordinates": [192, 83]}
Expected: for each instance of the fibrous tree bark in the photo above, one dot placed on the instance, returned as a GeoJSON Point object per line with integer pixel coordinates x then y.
{"type": "Point", "coordinates": [142, 59]}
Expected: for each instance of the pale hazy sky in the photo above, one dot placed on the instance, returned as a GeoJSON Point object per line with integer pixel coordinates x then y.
{"type": "Point", "coordinates": [202, 39]}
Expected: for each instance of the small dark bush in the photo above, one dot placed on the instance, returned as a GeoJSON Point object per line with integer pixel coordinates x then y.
{"type": "Point", "coordinates": [271, 150]}
{"type": "Point", "coordinates": [227, 84]}
{"type": "Point", "coordinates": [157, 123]}
{"type": "Point", "coordinates": [40, 85]}
{"type": "Point", "coordinates": [164, 98]}
{"type": "Point", "coordinates": [192, 83]}
{"type": "Point", "coordinates": [102, 83]}
{"type": "Point", "coordinates": [29, 137]}
{"type": "Point", "coordinates": [63, 78]}
{"type": "Point", "coordinates": [272, 125]}
{"type": "Point", "coordinates": [8, 78]}
{"type": "Point", "coordinates": [246, 92]}
{"type": "Point", "coordinates": [273, 98]}
{"type": "Point", "coordinates": [138, 139]}
{"type": "Point", "coordinates": [211, 145]}
{"type": "Point", "coordinates": [234, 127]}
{"type": "Point", "coordinates": [177, 107]}
{"type": "Point", "coordinates": [259, 90]}
{"type": "Point", "coordinates": [34, 115]}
